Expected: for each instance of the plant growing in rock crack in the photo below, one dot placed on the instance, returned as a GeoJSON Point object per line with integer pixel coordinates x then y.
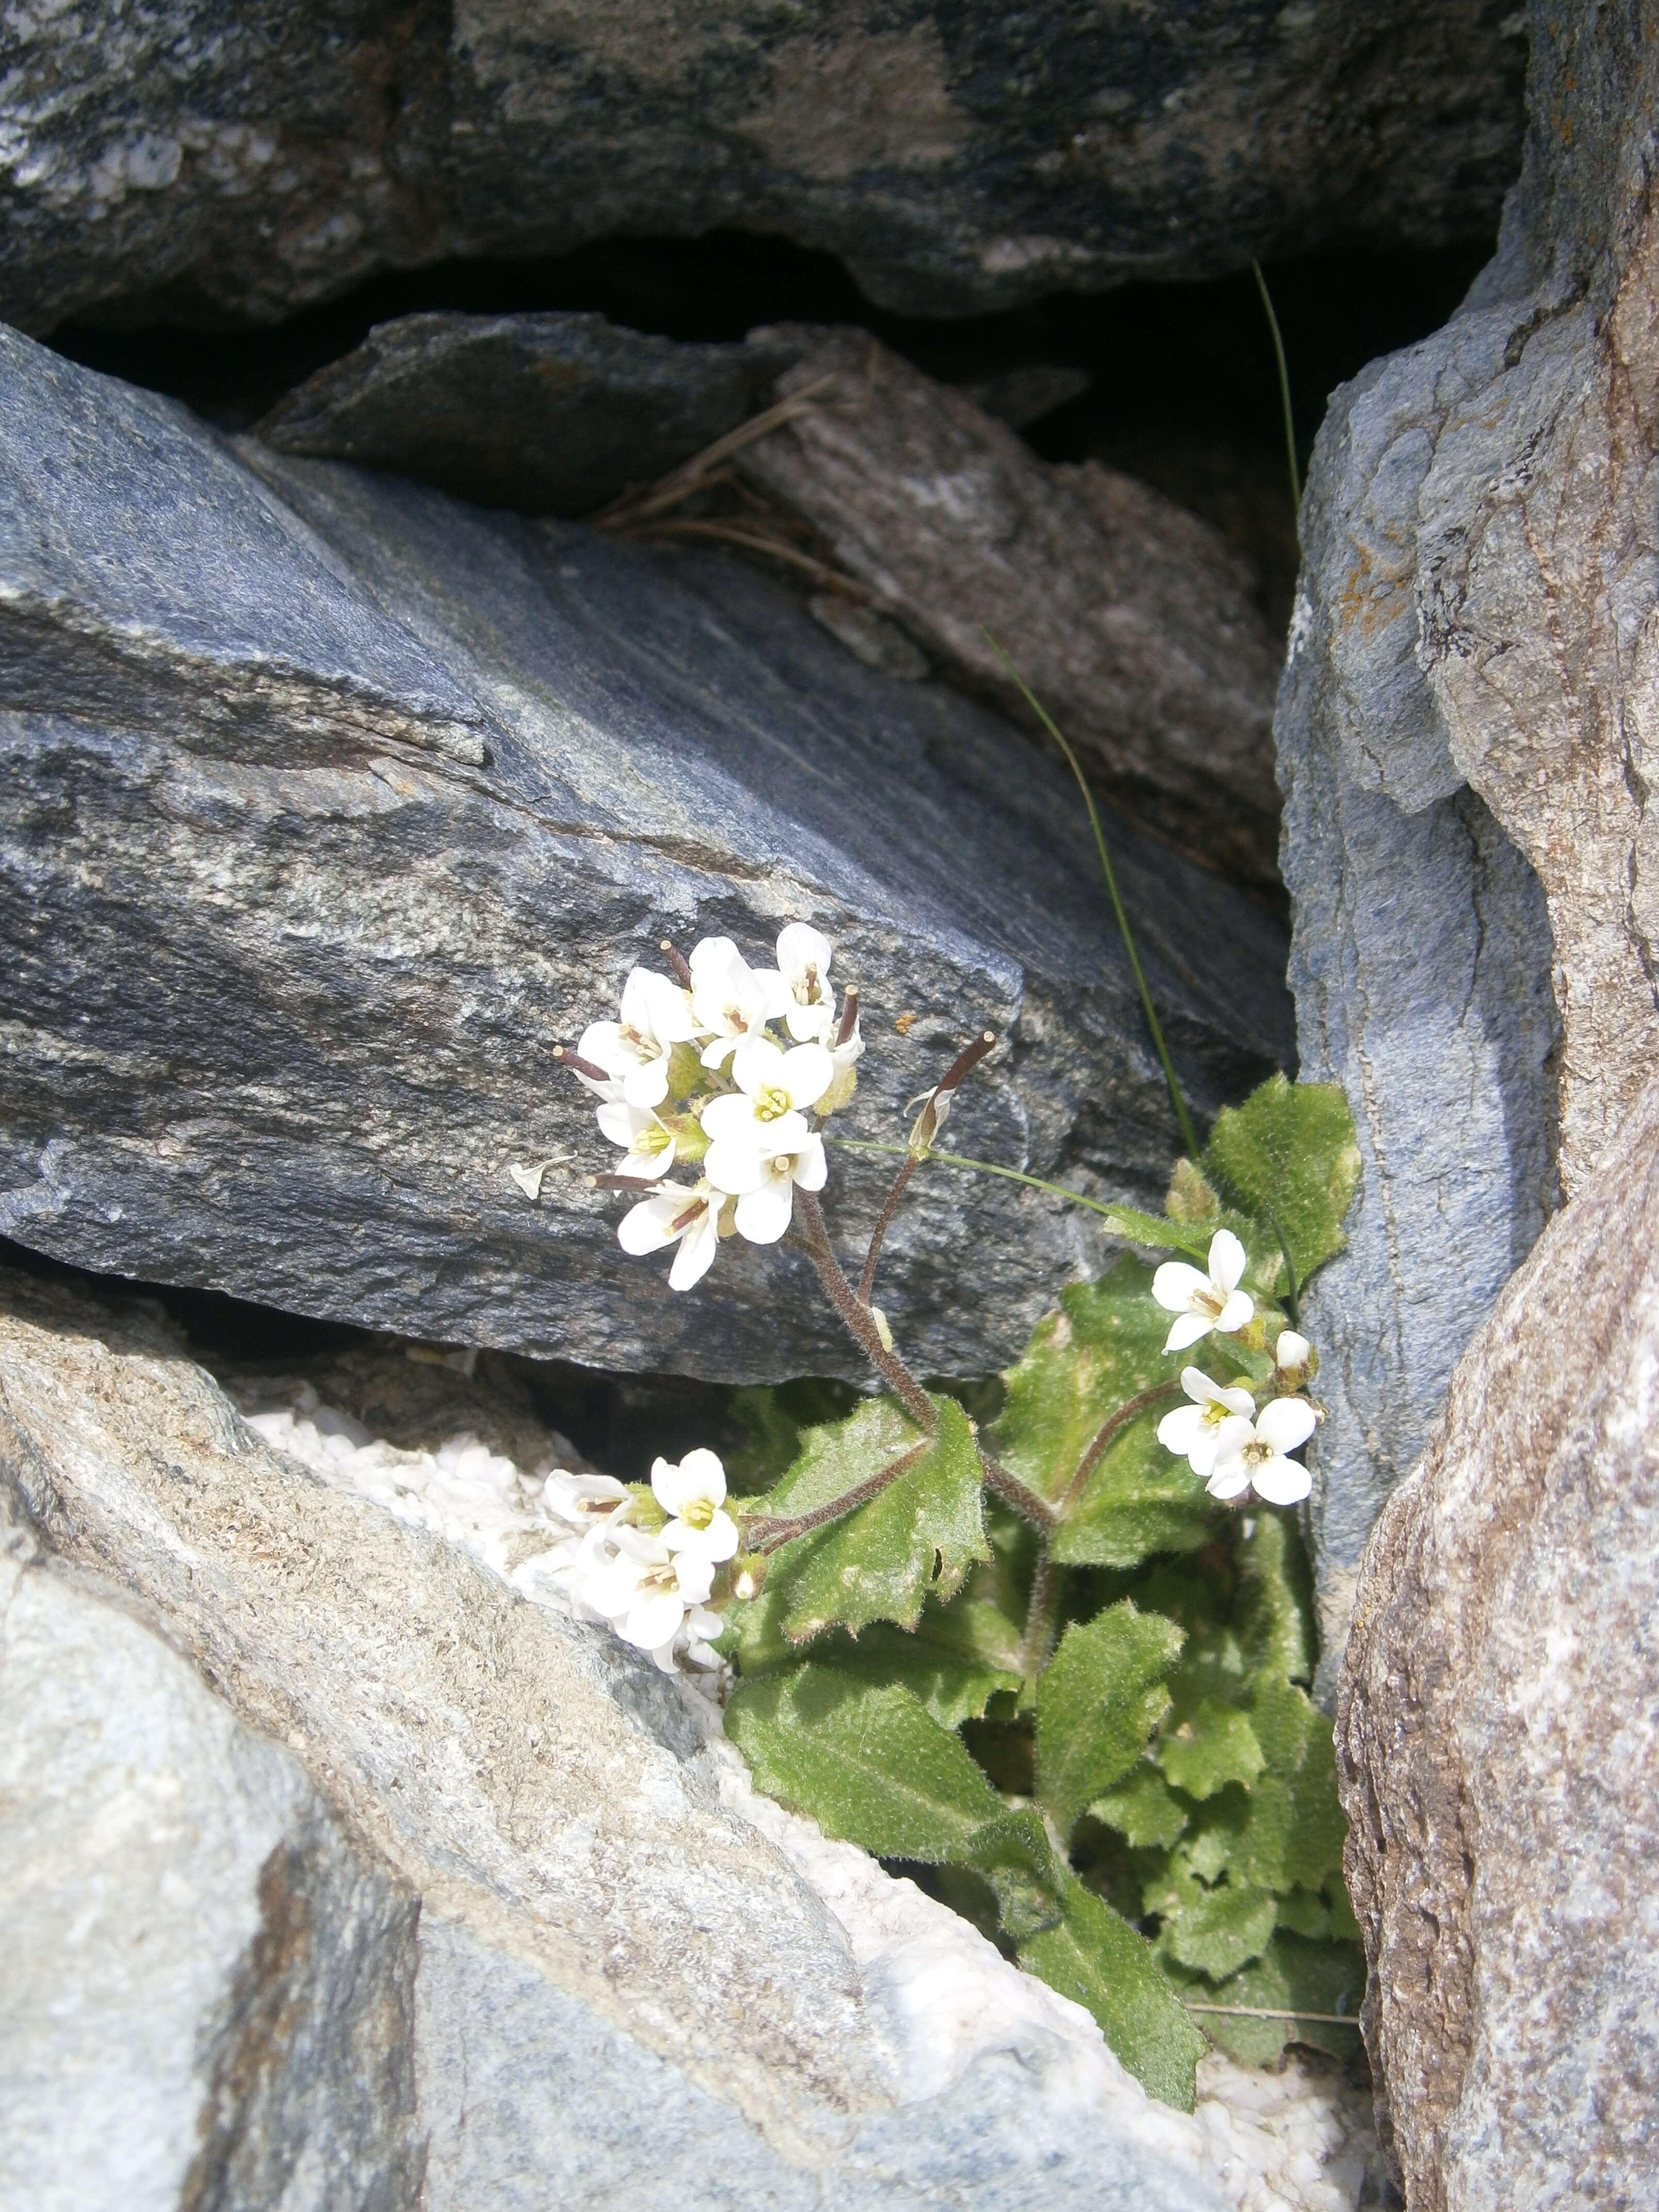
{"type": "Point", "coordinates": [1055, 1658]}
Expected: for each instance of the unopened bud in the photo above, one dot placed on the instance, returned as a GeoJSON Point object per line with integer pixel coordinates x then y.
{"type": "Point", "coordinates": [1296, 1359]}
{"type": "Point", "coordinates": [748, 1575]}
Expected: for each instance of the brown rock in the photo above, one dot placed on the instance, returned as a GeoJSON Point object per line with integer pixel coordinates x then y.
{"type": "Point", "coordinates": [1131, 620]}
{"type": "Point", "coordinates": [1497, 1737]}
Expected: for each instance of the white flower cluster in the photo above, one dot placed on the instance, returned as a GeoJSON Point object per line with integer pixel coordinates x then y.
{"type": "Point", "coordinates": [646, 1566]}
{"type": "Point", "coordinates": [691, 1074]}
{"type": "Point", "coordinates": [1221, 1435]}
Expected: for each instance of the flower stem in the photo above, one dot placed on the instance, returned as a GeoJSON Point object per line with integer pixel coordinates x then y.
{"type": "Point", "coordinates": [1182, 1117]}
{"type": "Point", "coordinates": [983, 1167]}
{"type": "Point", "coordinates": [884, 1222]}
{"type": "Point", "coordinates": [860, 1324]}
{"type": "Point", "coordinates": [1025, 1501]}
{"type": "Point", "coordinates": [1038, 1639]}
{"type": "Point", "coordinates": [1110, 1431]}
{"type": "Point", "coordinates": [767, 1533]}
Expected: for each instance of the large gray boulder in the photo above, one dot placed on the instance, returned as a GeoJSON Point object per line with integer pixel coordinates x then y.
{"type": "Point", "coordinates": [1465, 737]}
{"type": "Point", "coordinates": [336, 1874]}
{"type": "Point", "coordinates": [1496, 1737]}
{"type": "Point", "coordinates": [192, 160]}
{"type": "Point", "coordinates": [331, 806]}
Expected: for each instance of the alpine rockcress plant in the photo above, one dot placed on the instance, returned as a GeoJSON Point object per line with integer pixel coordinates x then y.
{"type": "Point", "coordinates": [1058, 1658]}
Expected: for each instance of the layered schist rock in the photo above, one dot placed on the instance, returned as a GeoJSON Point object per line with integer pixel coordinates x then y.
{"type": "Point", "coordinates": [335, 1872]}
{"type": "Point", "coordinates": [1466, 741]}
{"type": "Point", "coordinates": [185, 160]}
{"type": "Point", "coordinates": [1499, 1736]}
{"type": "Point", "coordinates": [332, 806]}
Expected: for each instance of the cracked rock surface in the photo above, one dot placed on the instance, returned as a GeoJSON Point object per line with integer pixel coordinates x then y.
{"type": "Point", "coordinates": [1464, 734]}
{"type": "Point", "coordinates": [331, 806]}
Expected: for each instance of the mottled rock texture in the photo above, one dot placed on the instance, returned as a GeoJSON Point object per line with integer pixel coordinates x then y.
{"type": "Point", "coordinates": [331, 806]}
{"type": "Point", "coordinates": [1499, 1736]}
{"type": "Point", "coordinates": [550, 414]}
{"type": "Point", "coordinates": [336, 1874]}
{"type": "Point", "coordinates": [1466, 734]}
{"type": "Point", "coordinates": [1131, 620]}
{"type": "Point", "coordinates": [180, 157]}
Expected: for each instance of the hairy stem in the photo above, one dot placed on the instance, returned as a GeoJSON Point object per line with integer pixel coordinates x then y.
{"type": "Point", "coordinates": [1110, 1431]}
{"type": "Point", "coordinates": [856, 1315]}
{"type": "Point", "coordinates": [1038, 1640]}
{"type": "Point", "coordinates": [768, 1534]}
{"type": "Point", "coordinates": [884, 1222]}
{"type": "Point", "coordinates": [1029, 1503]}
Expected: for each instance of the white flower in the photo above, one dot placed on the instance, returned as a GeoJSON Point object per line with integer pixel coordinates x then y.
{"type": "Point", "coordinates": [729, 1000]}
{"type": "Point", "coordinates": [648, 1593]}
{"type": "Point", "coordinates": [674, 1215]}
{"type": "Point", "coordinates": [1205, 1302]}
{"type": "Point", "coordinates": [582, 1500]}
{"type": "Point", "coordinates": [1251, 1455]}
{"type": "Point", "coordinates": [647, 1145]}
{"type": "Point", "coordinates": [1192, 1431]}
{"type": "Point", "coordinates": [766, 1113]}
{"type": "Point", "coordinates": [656, 1016]}
{"type": "Point", "coordinates": [808, 1002]}
{"type": "Point", "coordinates": [844, 1082]}
{"type": "Point", "coordinates": [693, 1495]}
{"type": "Point", "coordinates": [768, 1181]}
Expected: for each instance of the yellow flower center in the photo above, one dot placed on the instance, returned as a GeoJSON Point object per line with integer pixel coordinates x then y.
{"type": "Point", "coordinates": [1258, 1452]}
{"type": "Point", "coordinates": [1214, 1413]}
{"type": "Point", "coordinates": [699, 1514]}
{"type": "Point", "coordinates": [771, 1103]}
{"type": "Point", "coordinates": [1209, 1300]}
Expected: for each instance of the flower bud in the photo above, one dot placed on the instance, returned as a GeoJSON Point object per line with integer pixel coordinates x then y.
{"type": "Point", "coordinates": [1297, 1361]}
{"type": "Point", "coordinates": [748, 1575]}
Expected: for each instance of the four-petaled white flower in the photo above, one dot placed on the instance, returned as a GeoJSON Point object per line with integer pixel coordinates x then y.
{"type": "Point", "coordinates": [1251, 1455]}
{"type": "Point", "coordinates": [648, 1146]}
{"type": "Point", "coordinates": [648, 1593]}
{"type": "Point", "coordinates": [656, 1016]}
{"type": "Point", "coordinates": [763, 1211]}
{"type": "Point", "coordinates": [1193, 1432]}
{"type": "Point", "coordinates": [693, 1495]}
{"type": "Point", "coordinates": [674, 1215]}
{"type": "Point", "coordinates": [767, 1112]}
{"type": "Point", "coordinates": [730, 999]}
{"type": "Point", "coordinates": [808, 1002]}
{"type": "Point", "coordinates": [1203, 1302]}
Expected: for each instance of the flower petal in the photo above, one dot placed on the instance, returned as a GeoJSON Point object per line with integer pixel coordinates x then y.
{"type": "Point", "coordinates": [655, 1620]}
{"type": "Point", "coordinates": [756, 1062]}
{"type": "Point", "coordinates": [694, 1574]}
{"type": "Point", "coordinates": [1179, 1431]}
{"type": "Point", "coordinates": [1292, 1350]}
{"type": "Point", "coordinates": [706, 1469]}
{"type": "Point", "coordinates": [802, 948]}
{"type": "Point", "coordinates": [1231, 1481]}
{"type": "Point", "coordinates": [1226, 1259]}
{"type": "Point", "coordinates": [1236, 1314]}
{"type": "Point", "coordinates": [807, 1073]}
{"type": "Point", "coordinates": [672, 1487]}
{"type": "Point", "coordinates": [696, 1254]}
{"type": "Point", "coordinates": [620, 1124]}
{"type": "Point", "coordinates": [1175, 1287]}
{"type": "Point", "coordinates": [1282, 1482]}
{"type": "Point", "coordinates": [648, 1226]}
{"type": "Point", "coordinates": [764, 1214]}
{"type": "Point", "coordinates": [731, 1116]}
{"type": "Point", "coordinates": [1187, 1330]}
{"type": "Point", "coordinates": [812, 1169]}
{"type": "Point", "coordinates": [646, 1084]}
{"type": "Point", "coordinates": [1285, 1423]}
{"type": "Point", "coordinates": [734, 1166]}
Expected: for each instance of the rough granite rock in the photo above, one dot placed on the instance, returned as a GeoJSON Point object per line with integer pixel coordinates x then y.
{"type": "Point", "coordinates": [1131, 620]}
{"type": "Point", "coordinates": [339, 1874]}
{"type": "Point", "coordinates": [550, 414]}
{"type": "Point", "coordinates": [1497, 1737]}
{"type": "Point", "coordinates": [178, 158]}
{"type": "Point", "coordinates": [1466, 740]}
{"type": "Point", "coordinates": [331, 806]}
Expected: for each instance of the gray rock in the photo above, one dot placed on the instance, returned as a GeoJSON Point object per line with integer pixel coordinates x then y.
{"type": "Point", "coordinates": [1131, 620]}
{"type": "Point", "coordinates": [551, 414]}
{"type": "Point", "coordinates": [187, 160]}
{"type": "Point", "coordinates": [1496, 1737]}
{"type": "Point", "coordinates": [339, 1875]}
{"type": "Point", "coordinates": [331, 806]}
{"type": "Point", "coordinates": [1485, 993]}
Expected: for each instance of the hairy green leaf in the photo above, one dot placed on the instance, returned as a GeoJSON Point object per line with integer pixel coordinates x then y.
{"type": "Point", "coordinates": [1098, 1700]}
{"type": "Point", "coordinates": [1100, 1962]}
{"type": "Point", "coordinates": [1294, 1837]}
{"type": "Point", "coordinates": [916, 1538]}
{"type": "Point", "coordinates": [868, 1764]}
{"type": "Point", "coordinates": [1139, 1499]}
{"type": "Point", "coordinates": [1214, 1746]}
{"type": "Point", "coordinates": [1288, 1157]}
{"type": "Point", "coordinates": [1144, 1810]}
{"type": "Point", "coordinates": [1014, 1854]}
{"type": "Point", "coordinates": [956, 1660]}
{"type": "Point", "coordinates": [1293, 1971]}
{"type": "Point", "coordinates": [1274, 1607]}
{"type": "Point", "coordinates": [1215, 1929]}
{"type": "Point", "coordinates": [1170, 1235]}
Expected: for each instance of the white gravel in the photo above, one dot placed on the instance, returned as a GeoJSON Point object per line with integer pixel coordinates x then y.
{"type": "Point", "coordinates": [1295, 2138]}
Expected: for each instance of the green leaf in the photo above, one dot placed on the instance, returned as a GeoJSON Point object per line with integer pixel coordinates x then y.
{"type": "Point", "coordinates": [769, 1418]}
{"type": "Point", "coordinates": [1144, 1810]}
{"type": "Point", "coordinates": [1288, 1157]}
{"type": "Point", "coordinates": [916, 1538]}
{"type": "Point", "coordinates": [1305, 1913]}
{"type": "Point", "coordinates": [1274, 1609]}
{"type": "Point", "coordinates": [1295, 1830]}
{"type": "Point", "coordinates": [1322, 1976]}
{"type": "Point", "coordinates": [1100, 1962]}
{"type": "Point", "coordinates": [1215, 1930]}
{"type": "Point", "coordinates": [1214, 1747]}
{"type": "Point", "coordinates": [1014, 1854]}
{"type": "Point", "coordinates": [1162, 1236]}
{"type": "Point", "coordinates": [1139, 1499]}
{"type": "Point", "coordinates": [956, 1660]}
{"type": "Point", "coordinates": [1098, 1700]}
{"type": "Point", "coordinates": [869, 1765]}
